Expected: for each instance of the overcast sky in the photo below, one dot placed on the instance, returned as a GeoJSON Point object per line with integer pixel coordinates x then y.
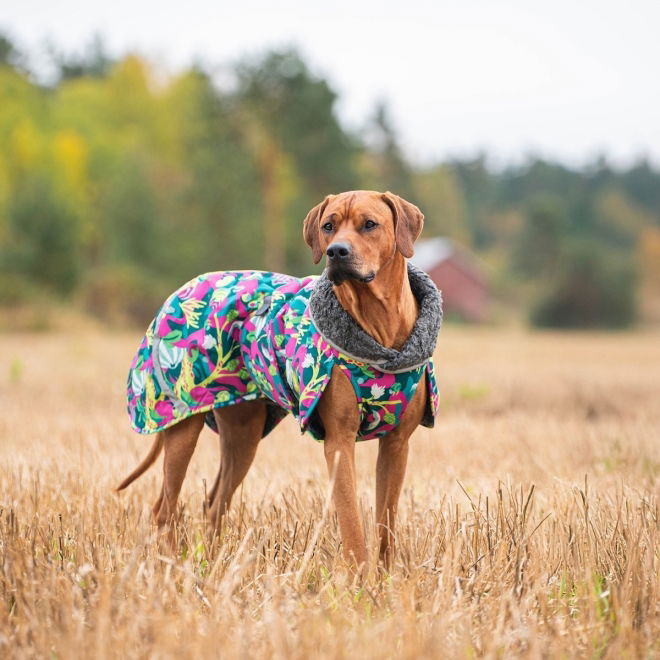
{"type": "Point", "coordinates": [567, 79]}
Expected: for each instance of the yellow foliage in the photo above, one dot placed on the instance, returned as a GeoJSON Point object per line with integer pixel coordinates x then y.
{"type": "Point", "coordinates": [621, 213]}
{"type": "Point", "coordinates": [25, 145]}
{"type": "Point", "coordinates": [129, 95]}
{"type": "Point", "coordinates": [4, 196]}
{"type": "Point", "coordinates": [70, 153]}
{"type": "Point", "coordinates": [286, 178]}
{"type": "Point", "coordinates": [176, 106]}
{"type": "Point", "coordinates": [442, 200]}
{"type": "Point", "coordinates": [19, 99]}
{"type": "Point", "coordinates": [649, 262]}
{"type": "Point", "coordinates": [131, 72]}
{"type": "Point", "coordinates": [649, 251]}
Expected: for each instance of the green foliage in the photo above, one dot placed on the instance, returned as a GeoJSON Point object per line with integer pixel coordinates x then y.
{"type": "Point", "coordinates": [10, 55]}
{"type": "Point", "coordinates": [386, 164]}
{"type": "Point", "coordinates": [439, 194]}
{"type": "Point", "coordinates": [569, 236]}
{"type": "Point", "coordinates": [220, 195]}
{"type": "Point", "coordinates": [297, 109]}
{"type": "Point", "coordinates": [480, 190]}
{"type": "Point", "coordinates": [128, 217]}
{"type": "Point", "coordinates": [44, 239]}
{"type": "Point", "coordinates": [537, 247]}
{"type": "Point", "coordinates": [591, 288]}
{"type": "Point", "coordinates": [642, 184]}
{"type": "Point", "coordinates": [123, 293]}
{"type": "Point", "coordinates": [117, 184]}
{"type": "Point", "coordinates": [286, 115]}
{"type": "Point", "coordinates": [94, 62]}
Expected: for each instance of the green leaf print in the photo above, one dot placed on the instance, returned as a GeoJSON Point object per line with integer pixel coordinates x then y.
{"type": "Point", "coordinates": [173, 336]}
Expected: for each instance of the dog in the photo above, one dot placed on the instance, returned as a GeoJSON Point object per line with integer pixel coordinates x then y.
{"type": "Point", "coordinates": [347, 353]}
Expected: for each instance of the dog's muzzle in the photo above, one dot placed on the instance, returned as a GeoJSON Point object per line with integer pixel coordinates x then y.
{"type": "Point", "coordinates": [340, 273]}
{"type": "Point", "coordinates": [342, 266]}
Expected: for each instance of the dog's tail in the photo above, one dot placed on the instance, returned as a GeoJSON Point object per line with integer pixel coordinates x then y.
{"type": "Point", "coordinates": [146, 463]}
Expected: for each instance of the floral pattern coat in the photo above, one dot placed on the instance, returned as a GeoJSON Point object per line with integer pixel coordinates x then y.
{"type": "Point", "coordinates": [233, 336]}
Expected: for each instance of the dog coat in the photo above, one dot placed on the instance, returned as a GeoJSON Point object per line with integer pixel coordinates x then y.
{"type": "Point", "coordinates": [234, 336]}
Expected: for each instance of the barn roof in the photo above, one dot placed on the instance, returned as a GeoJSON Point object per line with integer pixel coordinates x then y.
{"type": "Point", "coordinates": [431, 251]}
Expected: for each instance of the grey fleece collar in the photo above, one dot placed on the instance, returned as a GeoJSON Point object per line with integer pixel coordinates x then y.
{"type": "Point", "coordinates": [340, 330]}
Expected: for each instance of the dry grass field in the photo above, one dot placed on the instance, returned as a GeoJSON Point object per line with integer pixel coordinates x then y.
{"type": "Point", "coordinates": [528, 524]}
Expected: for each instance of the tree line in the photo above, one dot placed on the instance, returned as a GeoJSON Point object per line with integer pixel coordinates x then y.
{"type": "Point", "coordinates": [118, 183]}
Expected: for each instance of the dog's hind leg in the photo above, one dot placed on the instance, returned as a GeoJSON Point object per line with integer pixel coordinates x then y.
{"type": "Point", "coordinates": [240, 428]}
{"type": "Point", "coordinates": [178, 444]}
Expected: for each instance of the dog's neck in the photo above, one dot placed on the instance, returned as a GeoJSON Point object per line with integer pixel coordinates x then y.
{"type": "Point", "coordinates": [385, 308]}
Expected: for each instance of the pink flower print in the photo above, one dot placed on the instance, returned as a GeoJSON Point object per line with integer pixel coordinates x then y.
{"type": "Point", "coordinates": [164, 410]}
{"type": "Point", "coordinates": [290, 347]}
{"type": "Point", "coordinates": [202, 395]}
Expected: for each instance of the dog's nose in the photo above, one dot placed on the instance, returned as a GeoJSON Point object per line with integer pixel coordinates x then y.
{"type": "Point", "coordinates": [338, 251]}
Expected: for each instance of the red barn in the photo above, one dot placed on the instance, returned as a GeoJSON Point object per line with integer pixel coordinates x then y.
{"type": "Point", "coordinates": [456, 273]}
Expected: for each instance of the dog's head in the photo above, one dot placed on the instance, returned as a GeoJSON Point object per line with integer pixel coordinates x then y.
{"type": "Point", "coordinates": [360, 231]}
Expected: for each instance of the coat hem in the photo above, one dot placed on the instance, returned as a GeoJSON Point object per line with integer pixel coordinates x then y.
{"type": "Point", "coordinates": [198, 411]}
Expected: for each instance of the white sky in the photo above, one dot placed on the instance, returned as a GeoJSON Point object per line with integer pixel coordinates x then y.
{"type": "Point", "coordinates": [567, 79]}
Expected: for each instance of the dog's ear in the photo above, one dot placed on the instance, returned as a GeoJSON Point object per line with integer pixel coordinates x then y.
{"type": "Point", "coordinates": [408, 222]}
{"type": "Point", "coordinates": [311, 229]}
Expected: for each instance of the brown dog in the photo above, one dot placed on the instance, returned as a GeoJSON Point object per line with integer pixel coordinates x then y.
{"type": "Point", "coordinates": [366, 237]}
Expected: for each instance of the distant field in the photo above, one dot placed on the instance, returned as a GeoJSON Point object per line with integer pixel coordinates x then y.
{"type": "Point", "coordinates": [529, 520]}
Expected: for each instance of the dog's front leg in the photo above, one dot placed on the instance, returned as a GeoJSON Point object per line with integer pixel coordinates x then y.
{"type": "Point", "coordinates": [391, 470]}
{"type": "Point", "coordinates": [340, 452]}
{"type": "Point", "coordinates": [341, 419]}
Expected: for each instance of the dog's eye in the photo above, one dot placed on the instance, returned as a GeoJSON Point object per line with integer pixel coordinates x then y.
{"type": "Point", "coordinates": [327, 227]}
{"type": "Point", "coordinates": [370, 224]}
